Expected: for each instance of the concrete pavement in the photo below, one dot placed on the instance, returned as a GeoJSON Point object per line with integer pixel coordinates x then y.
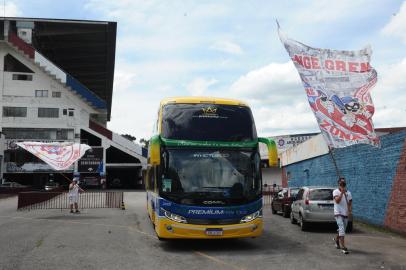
{"type": "Point", "coordinates": [117, 239]}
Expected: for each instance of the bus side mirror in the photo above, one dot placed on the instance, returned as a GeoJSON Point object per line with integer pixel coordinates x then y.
{"type": "Point", "coordinates": [154, 150]}
{"type": "Point", "coordinates": [272, 151]}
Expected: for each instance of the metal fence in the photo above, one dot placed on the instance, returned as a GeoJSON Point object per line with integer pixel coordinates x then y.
{"type": "Point", "coordinates": [60, 200]}
{"type": "Point", "coordinates": [268, 192]}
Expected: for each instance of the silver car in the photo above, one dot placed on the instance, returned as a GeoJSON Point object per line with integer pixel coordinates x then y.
{"type": "Point", "coordinates": [314, 205]}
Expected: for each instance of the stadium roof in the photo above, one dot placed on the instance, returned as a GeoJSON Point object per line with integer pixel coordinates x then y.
{"type": "Point", "coordinates": [83, 49]}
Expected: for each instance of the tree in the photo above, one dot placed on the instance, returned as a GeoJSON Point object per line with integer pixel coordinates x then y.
{"type": "Point", "coordinates": [129, 137]}
{"type": "Point", "coordinates": [144, 142]}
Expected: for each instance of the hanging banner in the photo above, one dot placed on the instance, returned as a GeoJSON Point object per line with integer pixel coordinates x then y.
{"type": "Point", "coordinates": [60, 156]}
{"type": "Point", "coordinates": [337, 84]}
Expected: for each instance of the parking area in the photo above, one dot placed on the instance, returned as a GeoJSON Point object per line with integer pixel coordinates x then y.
{"type": "Point", "coordinates": [117, 239]}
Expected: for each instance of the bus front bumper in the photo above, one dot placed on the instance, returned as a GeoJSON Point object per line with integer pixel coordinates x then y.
{"type": "Point", "coordinates": [167, 228]}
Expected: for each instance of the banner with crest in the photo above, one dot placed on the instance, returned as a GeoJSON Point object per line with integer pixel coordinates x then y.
{"type": "Point", "coordinates": [60, 156]}
{"type": "Point", "coordinates": [337, 84]}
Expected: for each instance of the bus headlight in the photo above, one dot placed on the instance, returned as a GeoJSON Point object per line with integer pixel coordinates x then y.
{"type": "Point", "coordinates": [174, 217]}
{"type": "Point", "coordinates": [252, 216]}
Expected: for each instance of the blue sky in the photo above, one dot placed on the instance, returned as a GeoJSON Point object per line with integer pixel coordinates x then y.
{"type": "Point", "coordinates": [231, 49]}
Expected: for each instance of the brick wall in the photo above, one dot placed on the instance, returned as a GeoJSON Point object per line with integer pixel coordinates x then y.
{"type": "Point", "coordinates": [396, 211]}
{"type": "Point", "coordinates": [370, 173]}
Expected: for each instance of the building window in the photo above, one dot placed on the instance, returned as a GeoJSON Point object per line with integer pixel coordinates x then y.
{"type": "Point", "coordinates": [22, 77]}
{"type": "Point", "coordinates": [41, 93]}
{"type": "Point", "coordinates": [14, 111]}
{"type": "Point", "coordinates": [38, 134]}
{"type": "Point", "coordinates": [64, 111]}
{"type": "Point", "coordinates": [71, 112]}
{"type": "Point", "coordinates": [56, 94]}
{"type": "Point", "coordinates": [48, 112]}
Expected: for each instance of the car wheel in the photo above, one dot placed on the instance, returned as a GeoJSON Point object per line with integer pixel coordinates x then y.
{"type": "Point", "coordinates": [303, 224]}
{"type": "Point", "coordinates": [349, 227]}
{"type": "Point", "coordinates": [285, 212]}
{"type": "Point", "coordinates": [292, 218]}
{"type": "Point", "coordinates": [273, 210]}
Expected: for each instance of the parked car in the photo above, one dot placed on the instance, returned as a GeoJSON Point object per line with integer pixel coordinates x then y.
{"type": "Point", "coordinates": [314, 205]}
{"type": "Point", "coordinates": [282, 201]}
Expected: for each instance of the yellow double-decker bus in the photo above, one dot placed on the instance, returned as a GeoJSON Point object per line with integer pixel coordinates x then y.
{"type": "Point", "coordinates": [203, 177]}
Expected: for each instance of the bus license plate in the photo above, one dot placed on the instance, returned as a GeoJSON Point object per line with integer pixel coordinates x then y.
{"type": "Point", "coordinates": [214, 232]}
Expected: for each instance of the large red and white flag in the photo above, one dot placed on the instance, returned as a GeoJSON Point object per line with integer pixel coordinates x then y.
{"type": "Point", "coordinates": [337, 84]}
{"type": "Point", "coordinates": [59, 156]}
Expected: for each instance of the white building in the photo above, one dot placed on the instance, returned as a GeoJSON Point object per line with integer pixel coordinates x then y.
{"type": "Point", "coordinates": [273, 176]}
{"type": "Point", "coordinates": [64, 99]}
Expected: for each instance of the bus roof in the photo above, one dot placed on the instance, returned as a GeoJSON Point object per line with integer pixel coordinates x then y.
{"type": "Point", "coordinates": [209, 100]}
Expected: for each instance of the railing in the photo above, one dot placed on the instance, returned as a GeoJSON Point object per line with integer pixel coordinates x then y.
{"type": "Point", "coordinates": [21, 44]}
{"type": "Point", "coordinates": [127, 143]}
{"type": "Point", "coordinates": [49, 66]}
{"type": "Point", "coordinates": [85, 92]}
{"type": "Point", "coordinates": [100, 129]}
{"type": "Point", "coordinates": [66, 78]}
{"type": "Point", "coordinates": [60, 200]}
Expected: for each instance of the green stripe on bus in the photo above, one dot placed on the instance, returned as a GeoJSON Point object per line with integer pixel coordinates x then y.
{"type": "Point", "coordinates": [170, 142]}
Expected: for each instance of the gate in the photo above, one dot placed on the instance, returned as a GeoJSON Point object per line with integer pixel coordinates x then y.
{"type": "Point", "coordinates": [60, 200]}
{"type": "Point", "coordinates": [268, 192]}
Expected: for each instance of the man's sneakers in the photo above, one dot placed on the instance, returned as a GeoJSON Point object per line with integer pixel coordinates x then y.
{"type": "Point", "coordinates": [345, 250]}
{"type": "Point", "coordinates": [71, 211]}
{"type": "Point", "coordinates": [337, 243]}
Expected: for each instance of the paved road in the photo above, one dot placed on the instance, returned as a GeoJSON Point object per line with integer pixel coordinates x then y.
{"type": "Point", "coordinates": [116, 239]}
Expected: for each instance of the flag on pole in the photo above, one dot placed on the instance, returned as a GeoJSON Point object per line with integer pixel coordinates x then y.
{"type": "Point", "coordinates": [337, 84]}
{"type": "Point", "coordinates": [59, 156]}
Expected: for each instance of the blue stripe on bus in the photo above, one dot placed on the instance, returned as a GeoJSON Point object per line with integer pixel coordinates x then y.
{"type": "Point", "coordinates": [207, 212]}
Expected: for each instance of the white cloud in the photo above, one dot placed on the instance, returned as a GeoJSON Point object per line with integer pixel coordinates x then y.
{"type": "Point", "coordinates": [199, 86]}
{"type": "Point", "coordinates": [10, 10]}
{"type": "Point", "coordinates": [280, 106]}
{"type": "Point", "coordinates": [227, 47]}
{"type": "Point", "coordinates": [397, 25]}
{"type": "Point", "coordinates": [329, 11]}
{"type": "Point", "coordinates": [133, 110]}
{"type": "Point", "coordinates": [389, 95]}
{"type": "Point", "coordinates": [277, 100]}
{"type": "Point", "coordinates": [272, 81]}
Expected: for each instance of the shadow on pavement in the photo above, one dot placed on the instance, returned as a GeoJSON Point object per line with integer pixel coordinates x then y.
{"type": "Point", "coordinates": [275, 243]}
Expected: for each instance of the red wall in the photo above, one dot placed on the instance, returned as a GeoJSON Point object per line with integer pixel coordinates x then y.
{"type": "Point", "coordinates": [395, 218]}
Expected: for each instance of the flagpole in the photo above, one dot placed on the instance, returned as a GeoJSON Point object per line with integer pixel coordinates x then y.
{"type": "Point", "coordinates": [334, 161]}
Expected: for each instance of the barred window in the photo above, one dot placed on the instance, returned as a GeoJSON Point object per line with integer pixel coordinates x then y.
{"type": "Point", "coordinates": [48, 112]}
{"type": "Point", "coordinates": [41, 93]}
{"type": "Point", "coordinates": [22, 77]}
{"type": "Point", "coordinates": [14, 111]}
{"type": "Point", "coordinates": [56, 94]}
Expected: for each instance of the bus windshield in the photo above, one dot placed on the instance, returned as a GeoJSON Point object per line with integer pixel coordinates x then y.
{"type": "Point", "coordinates": [220, 176]}
{"type": "Point", "coordinates": [208, 122]}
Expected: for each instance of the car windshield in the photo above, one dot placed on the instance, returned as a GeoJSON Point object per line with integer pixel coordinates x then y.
{"type": "Point", "coordinates": [294, 192]}
{"type": "Point", "coordinates": [208, 122]}
{"type": "Point", "coordinates": [220, 174]}
{"type": "Point", "coordinates": [321, 194]}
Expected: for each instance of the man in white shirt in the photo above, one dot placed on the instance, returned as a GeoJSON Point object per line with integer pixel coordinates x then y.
{"type": "Point", "coordinates": [342, 210]}
{"type": "Point", "coordinates": [73, 194]}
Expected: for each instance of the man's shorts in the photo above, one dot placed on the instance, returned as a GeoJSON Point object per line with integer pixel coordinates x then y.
{"type": "Point", "coordinates": [73, 199]}
{"type": "Point", "coordinates": [342, 224]}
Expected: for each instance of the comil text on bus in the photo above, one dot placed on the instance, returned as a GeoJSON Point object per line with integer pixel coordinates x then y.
{"type": "Point", "coordinates": [311, 62]}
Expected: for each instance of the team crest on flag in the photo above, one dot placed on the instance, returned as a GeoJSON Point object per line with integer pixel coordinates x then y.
{"type": "Point", "coordinates": [59, 156]}
{"type": "Point", "coordinates": [337, 84]}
